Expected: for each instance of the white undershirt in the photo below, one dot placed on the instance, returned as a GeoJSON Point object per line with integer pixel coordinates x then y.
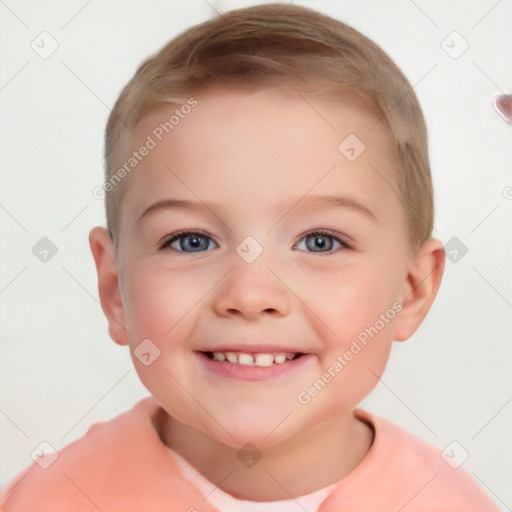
{"type": "Point", "coordinates": [227, 503]}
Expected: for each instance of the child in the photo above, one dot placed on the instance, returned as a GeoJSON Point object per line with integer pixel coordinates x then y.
{"type": "Point", "coordinates": [269, 212]}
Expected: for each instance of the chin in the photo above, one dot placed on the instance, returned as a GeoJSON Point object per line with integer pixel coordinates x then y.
{"type": "Point", "coordinates": [264, 430]}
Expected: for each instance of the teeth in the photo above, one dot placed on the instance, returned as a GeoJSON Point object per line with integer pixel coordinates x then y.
{"type": "Point", "coordinates": [279, 358]}
{"type": "Point", "coordinates": [231, 357]}
{"type": "Point", "coordinates": [262, 359]}
{"type": "Point", "coordinates": [246, 359]}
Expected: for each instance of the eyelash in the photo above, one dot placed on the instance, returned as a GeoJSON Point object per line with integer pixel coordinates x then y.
{"type": "Point", "coordinates": [326, 234]}
{"type": "Point", "coordinates": [166, 244]}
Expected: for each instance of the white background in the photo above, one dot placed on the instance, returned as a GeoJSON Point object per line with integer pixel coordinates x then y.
{"type": "Point", "coordinates": [60, 372]}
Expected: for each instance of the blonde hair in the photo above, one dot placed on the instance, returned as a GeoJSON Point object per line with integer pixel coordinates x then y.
{"type": "Point", "coordinates": [258, 45]}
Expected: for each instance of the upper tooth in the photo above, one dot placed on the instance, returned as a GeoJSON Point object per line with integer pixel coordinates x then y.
{"type": "Point", "coordinates": [246, 359]}
{"type": "Point", "coordinates": [231, 357]}
{"type": "Point", "coordinates": [279, 358]}
{"type": "Point", "coordinates": [264, 359]}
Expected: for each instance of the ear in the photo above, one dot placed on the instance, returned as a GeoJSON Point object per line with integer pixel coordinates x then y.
{"type": "Point", "coordinates": [420, 288]}
{"type": "Point", "coordinates": [103, 251]}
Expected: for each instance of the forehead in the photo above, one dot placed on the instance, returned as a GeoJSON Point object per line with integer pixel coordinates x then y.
{"type": "Point", "coordinates": [265, 146]}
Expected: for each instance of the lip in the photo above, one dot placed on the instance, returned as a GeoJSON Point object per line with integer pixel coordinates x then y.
{"type": "Point", "coordinates": [256, 348]}
{"type": "Point", "coordinates": [228, 370]}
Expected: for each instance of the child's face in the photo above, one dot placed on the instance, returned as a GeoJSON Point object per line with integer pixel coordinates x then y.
{"type": "Point", "coordinates": [262, 165]}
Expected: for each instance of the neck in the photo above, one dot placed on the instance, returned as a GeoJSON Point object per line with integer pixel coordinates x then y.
{"type": "Point", "coordinates": [329, 451]}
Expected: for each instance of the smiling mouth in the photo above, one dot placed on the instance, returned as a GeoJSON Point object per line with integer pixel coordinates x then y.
{"type": "Point", "coordinates": [254, 359]}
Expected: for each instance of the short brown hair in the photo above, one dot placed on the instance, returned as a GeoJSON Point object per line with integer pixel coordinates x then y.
{"type": "Point", "coordinates": [258, 44]}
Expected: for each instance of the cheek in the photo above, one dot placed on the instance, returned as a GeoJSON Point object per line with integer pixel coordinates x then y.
{"type": "Point", "coordinates": [351, 299]}
{"type": "Point", "coordinates": [159, 302]}
{"type": "Point", "coordinates": [158, 298]}
{"type": "Point", "coordinates": [357, 308]}
{"type": "Point", "coordinates": [149, 307]}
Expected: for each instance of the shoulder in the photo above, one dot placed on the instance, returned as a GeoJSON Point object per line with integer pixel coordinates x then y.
{"type": "Point", "coordinates": [117, 464]}
{"type": "Point", "coordinates": [405, 472]}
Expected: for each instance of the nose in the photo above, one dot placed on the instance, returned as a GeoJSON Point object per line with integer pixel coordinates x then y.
{"type": "Point", "coordinates": [250, 291]}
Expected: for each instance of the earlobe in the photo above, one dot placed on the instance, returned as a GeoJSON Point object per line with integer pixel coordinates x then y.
{"type": "Point", "coordinates": [420, 287]}
{"type": "Point", "coordinates": [103, 251]}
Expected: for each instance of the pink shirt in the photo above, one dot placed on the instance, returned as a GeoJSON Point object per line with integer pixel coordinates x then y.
{"type": "Point", "coordinates": [122, 464]}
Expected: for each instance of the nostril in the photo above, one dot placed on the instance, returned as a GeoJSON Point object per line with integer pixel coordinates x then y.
{"type": "Point", "coordinates": [234, 311]}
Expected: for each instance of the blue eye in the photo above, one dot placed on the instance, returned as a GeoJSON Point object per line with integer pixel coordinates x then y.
{"type": "Point", "coordinates": [321, 242]}
{"type": "Point", "coordinates": [189, 241]}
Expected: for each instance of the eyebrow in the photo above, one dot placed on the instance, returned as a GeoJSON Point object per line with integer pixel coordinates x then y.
{"type": "Point", "coordinates": [173, 204]}
{"type": "Point", "coordinates": [310, 204]}
{"type": "Point", "coordinates": [313, 204]}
